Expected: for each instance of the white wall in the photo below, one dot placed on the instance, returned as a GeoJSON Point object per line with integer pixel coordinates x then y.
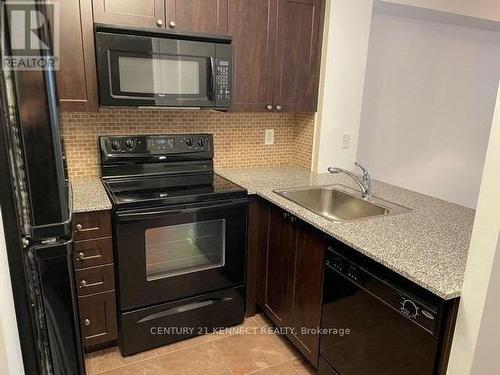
{"type": "Point", "coordinates": [476, 340]}
{"type": "Point", "coordinates": [345, 47]}
{"type": "Point", "coordinates": [486, 9]}
{"type": "Point", "coordinates": [429, 96]}
{"type": "Point", "coordinates": [10, 350]}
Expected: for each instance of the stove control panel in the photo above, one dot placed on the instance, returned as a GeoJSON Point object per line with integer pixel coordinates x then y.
{"type": "Point", "coordinates": [183, 146]}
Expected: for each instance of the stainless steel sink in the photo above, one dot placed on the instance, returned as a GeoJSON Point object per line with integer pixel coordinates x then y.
{"type": "Point", "coordinates": [340, 203]}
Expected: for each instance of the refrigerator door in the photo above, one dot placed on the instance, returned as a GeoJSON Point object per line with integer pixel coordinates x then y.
{"type": "Point", "coordinates": [55, 273]}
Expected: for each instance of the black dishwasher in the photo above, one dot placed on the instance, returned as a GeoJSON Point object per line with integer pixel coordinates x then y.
{"type": "Point", "coordinates": [374, 322]}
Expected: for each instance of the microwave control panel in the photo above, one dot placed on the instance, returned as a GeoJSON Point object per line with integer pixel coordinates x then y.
{"type": "Point", "coordinates": [223, 68]}
{"type": "Point", "coordinates": [223, 80]}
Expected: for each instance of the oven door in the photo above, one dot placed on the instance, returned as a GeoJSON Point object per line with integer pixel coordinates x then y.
{"type": "Point", "coordinates": [166, 254]}
{"type": "Point", "coordinates": [147, 71]}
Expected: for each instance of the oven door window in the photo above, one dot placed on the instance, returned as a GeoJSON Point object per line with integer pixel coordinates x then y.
{"type": "Point", "coordinates": [185, 248]}
{"type": "Point", "coordinates": [163, 78]}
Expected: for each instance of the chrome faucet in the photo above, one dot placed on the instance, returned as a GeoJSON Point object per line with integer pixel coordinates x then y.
{"type": "Point", "coordinates": [364, 182]}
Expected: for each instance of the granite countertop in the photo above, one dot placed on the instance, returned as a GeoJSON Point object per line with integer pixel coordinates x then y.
{"type": "Point", "coordinates": [89, 195]}
{"type": "Point", "coordinates": [428, 245]}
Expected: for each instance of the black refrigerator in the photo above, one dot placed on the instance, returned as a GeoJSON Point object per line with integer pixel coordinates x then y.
{"type": "Point", "coordinates": [35, 197]}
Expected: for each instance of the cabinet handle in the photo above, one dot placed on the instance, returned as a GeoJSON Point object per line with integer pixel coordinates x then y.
{"type": "Point", "coordinates": [86, 322]}
{"type": "Point", "coordinates": [269, 107]}
{"type": "Point", "coordinates": [159, 23]}
{"type": "Point", "coordinates": [285, 215]}
{"type": "Point", "coordinates": [172, 24]}
{"type": "Point", "coordinates": [79, 227]}
{"type": "Point", "coordinates": [279, 108]}
{"type": "Point", "coordinates": [84, 284]}
{"type": "Point", "coordinates": [293, 219]}
{"type": "Point", "coordinates": [80, 256]}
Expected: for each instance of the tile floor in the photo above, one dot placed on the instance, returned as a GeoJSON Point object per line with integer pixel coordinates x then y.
{"type": "Point", "coordinates": [246, 349]}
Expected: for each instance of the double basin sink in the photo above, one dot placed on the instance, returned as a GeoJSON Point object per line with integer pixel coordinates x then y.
{"type": "Point", "coordinates": [339, 203]}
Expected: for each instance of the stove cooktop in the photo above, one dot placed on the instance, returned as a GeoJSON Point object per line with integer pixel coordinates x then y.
{"type": "Point", "coordinates": [158, 191]}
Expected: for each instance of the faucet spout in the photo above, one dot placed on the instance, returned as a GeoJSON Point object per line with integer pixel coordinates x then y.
{"type": "Point", "coordinates": [364, 183]}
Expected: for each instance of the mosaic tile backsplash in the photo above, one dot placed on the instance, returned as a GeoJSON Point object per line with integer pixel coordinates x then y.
{"type": "Point", "coordinates": [238, 137]}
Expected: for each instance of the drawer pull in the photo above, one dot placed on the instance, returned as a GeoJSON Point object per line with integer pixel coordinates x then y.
{"type": "Point", "coordinates": [86, 322]}
{"type": "Point", "coordinates": [84, 284]}
{"type": "Point", "coordinates": [81, 256]}
{"type": "Point", "coordinates": [79, 228]}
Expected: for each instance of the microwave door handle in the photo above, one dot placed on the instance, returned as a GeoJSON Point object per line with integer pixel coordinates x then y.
{"type": "Point", "coordinates": [211, 80]}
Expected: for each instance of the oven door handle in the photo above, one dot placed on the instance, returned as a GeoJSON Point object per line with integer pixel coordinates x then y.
{"type": "Point", "coordinates": [133, 216]}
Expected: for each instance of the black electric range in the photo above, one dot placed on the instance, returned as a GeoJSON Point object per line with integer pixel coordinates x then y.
{"type": "Point", "coordinates": [179, 237]}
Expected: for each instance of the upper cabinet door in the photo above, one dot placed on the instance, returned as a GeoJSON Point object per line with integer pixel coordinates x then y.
{"type": "Point", "coordinates": [203, 16]}
{"type": "Point", "coordinates": [298, 54]}
{"type": "Point", "coordinates": [76, 78]}
{"type": "Point", "coordinates": [252, 26]}
{"type": "Point", "coordinates": [139, 13]}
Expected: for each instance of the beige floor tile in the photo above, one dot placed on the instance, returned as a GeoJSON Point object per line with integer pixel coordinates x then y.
{"type": "Point", "coordinates": [111, 358]}
{"type": "Point", "coordinates": [204, 359]}
{"type": "Point", "coordinates": [184, 344]}
{"type": "Point", "coordinates": [152, 366]}
{"type": "Point", "coordinates": [89, 368]}
{"type": "Point", "coordinates": [292, 367]}
{"type": "Point", "coordinates": [285, 347]}
{"type": "Point", "coordinates": [247, 353]}
{"type": "Point", "coordinates": [263, 320]}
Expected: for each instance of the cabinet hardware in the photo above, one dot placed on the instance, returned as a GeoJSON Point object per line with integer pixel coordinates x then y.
{"type": "Point", "coordinates": [293, 219]}
{"type": "Point", "coordinates": [86, 322]}
{"type": "Point", "coordinates": [84, 284]}
{"type": "Point", "coordinates": [79, 227]}
{"type": "Point", "coordinates": [285, 215]}
{"type": "Point", "coordinates": [159, 23]}
{"type": "Point", "coordinates": [279, 108]}
{"type": "Point", "coordinates": [172, 24]}
{"type": "Point", "coordinates": [269, 107]}
{"type": "Point", "coordinates": [80, 256]}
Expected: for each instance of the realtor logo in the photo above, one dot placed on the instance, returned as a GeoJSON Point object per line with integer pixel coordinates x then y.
{"type": "Point", "coordinates": [26, 25]}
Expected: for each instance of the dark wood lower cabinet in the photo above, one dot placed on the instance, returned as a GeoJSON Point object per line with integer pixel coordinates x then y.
{"type": "Point", "coordinates": [285, 274]}
{"type": "Point", "coordinates": [98, 319]}
{"type": "Point", "coordinates": [258, 229]}
{"type": "Point", "coordinates": [305, 316]}
{"type": "Point", "coordinates": [95, 279]}
{"type": "Point", "coordinates": [280, 267]}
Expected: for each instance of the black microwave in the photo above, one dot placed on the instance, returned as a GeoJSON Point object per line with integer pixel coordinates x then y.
{"type": "Point", "coordinates": [140, 67]}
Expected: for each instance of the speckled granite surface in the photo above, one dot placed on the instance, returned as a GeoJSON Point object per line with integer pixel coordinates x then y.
{"type": "Point", "coordinates": [428, 245]}
{"type": "Point", "coordinates": [89, 195]}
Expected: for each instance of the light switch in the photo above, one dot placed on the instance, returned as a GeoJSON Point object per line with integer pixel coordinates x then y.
{"type": "Point", "coordinates": [269, 137]}
{"type": "Point", "coordinates": [345, 141]}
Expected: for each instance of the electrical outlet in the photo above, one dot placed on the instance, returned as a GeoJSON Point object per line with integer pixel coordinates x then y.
{"type": "Point", "coordinates": [269, 137]}
{"type": "Point", "coordinates": [345, 141]}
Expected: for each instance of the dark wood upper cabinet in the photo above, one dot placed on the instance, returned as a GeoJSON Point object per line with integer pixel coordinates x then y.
{"type": "Point", "coordinates": [253, 45]}
{"type": "Point", "coordinates": [204, 16]}
{"type": "Point", "coordinates": [139, 13]}
{"type": "Point", "coordinates": [76, 78]}
{"type": "Point", "coordinates": [280, 267]}
{"type": "Point", "coordinates": [277, 49]}
{"type": "Point", "coordinates": [298, 54]}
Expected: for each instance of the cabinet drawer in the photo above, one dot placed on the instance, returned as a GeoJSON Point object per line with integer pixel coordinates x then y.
{"type": "Point", "coordinates": [95, 280]}
{"type": "Point", "coordinates": [90, 225]}
{"type": "Point", "coordinates": [93, 253]}
{"type": "Point", "coordinates": [98, 318]}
